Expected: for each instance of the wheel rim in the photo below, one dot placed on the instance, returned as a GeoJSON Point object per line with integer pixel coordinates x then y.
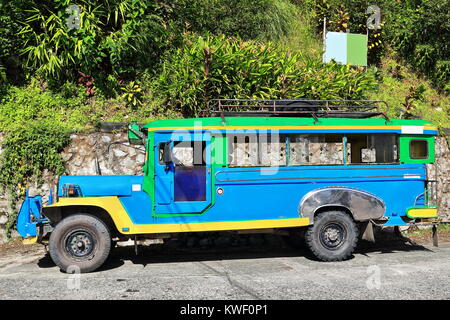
{"type": "Point", "coordinates": [332, 235]}
{"type": "Point", "coordinates": [80, 243]}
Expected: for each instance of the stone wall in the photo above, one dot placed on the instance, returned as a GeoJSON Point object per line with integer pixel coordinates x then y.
{"type": "Point", "coordinates": [110, 154]}
{"type": "Point", "coordinates": [87, 154]}
{"type": "Point", "coordinates": [440, 171]}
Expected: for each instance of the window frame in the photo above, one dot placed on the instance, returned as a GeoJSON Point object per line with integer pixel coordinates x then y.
{"type": "Point", "coordinates": [426, 148]}
{"type": "Point", "coordinates": [343, 141]}
{"type": "Point", "coordinates": [230, 140]}
{"type": "Point", "coordinates": [397, 143]}
{"type": "Point", "coordinates": [159, 152]}
{"type": "Point", "coordinates": [345, 157]}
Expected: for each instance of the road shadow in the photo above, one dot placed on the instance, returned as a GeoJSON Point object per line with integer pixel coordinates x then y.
{"type": "Point", "coordinates": [202, 249]}
{"type": "Point", "coordinates": [47, 262]}
{"type": "Point", "coordinates": [209, 246]}
{"type": "Point", "coordinates": [389, 241]}
{"type": "Point", "coordinates": [176, 251]}
{"type": "Point", "coordinates": [243, 247]}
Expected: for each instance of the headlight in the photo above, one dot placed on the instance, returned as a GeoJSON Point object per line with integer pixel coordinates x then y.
{"type": "Point", "coordinates": [71, 190]}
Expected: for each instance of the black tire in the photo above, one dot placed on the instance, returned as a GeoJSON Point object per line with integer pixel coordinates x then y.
{"type": "Point", "coordinates": [80, 241]}
{"type": "Point", "coordinates": [332, 237]}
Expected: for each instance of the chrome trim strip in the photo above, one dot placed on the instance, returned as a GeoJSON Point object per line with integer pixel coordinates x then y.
{"type": "Point", "coordinates": [283, 168]}
{"type": "Point", "coordinates": [313, 178]}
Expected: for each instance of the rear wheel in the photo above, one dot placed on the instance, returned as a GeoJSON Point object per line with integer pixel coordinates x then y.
{"type": "Point", "coordinates": [80, 242]}
{"type": "Point", "coordinates": [333, 237]}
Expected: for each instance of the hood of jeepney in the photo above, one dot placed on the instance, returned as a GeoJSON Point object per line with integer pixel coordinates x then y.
{"type": "Point", "coordinates": [90, 186]}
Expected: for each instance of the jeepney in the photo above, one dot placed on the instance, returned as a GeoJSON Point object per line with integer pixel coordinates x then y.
{"type": "Point", "coordinates": [330, 168]}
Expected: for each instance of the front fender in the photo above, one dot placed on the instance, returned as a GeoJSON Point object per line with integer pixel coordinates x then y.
{"type": "Point", "coordinates": [111, 205]}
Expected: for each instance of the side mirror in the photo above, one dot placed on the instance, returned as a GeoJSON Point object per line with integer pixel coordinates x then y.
{"type": "Point", "coordinates": [167, 155]}
{"type": "Point", "coordinates": [135, 136]}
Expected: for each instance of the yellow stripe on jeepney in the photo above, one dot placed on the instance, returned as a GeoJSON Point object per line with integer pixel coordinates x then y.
{"type": "Point", "coordinates": [422, 213]}
{"type": "Point", "coordinates": [124, 224]}
{"type": "Point", "coordinates": [221, 226]}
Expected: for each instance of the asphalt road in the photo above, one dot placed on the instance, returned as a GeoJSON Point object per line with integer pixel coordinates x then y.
{"type": "Point", "coordinates": [261, 270]}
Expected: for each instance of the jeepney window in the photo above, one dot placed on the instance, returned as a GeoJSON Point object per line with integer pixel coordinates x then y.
{"type": "Point", "coordinates": [272, 149]}
{"type": "Point", "coordinates": [372, 148]}
{"type": "Point", "coordinates": [188, 153]}
{"type": "Point", "coordinates": [316, 149]}
{"type": "Point", "coordinates": [418, 149]}
{"type": "Point", "coordinates": [251, 150]}
{"type": "Point", "coordinates": [189, 171]}
{"type": "Point", "coordinates": [161, 152]}
{"type": "Point", "coordinates": [161, 147]}
{"type": "Point", "coordinates": [243, 150]}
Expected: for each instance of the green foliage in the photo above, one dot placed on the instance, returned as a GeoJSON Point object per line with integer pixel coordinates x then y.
{"type": "Point", "coordinates": [2, 74]}
{"type": "Point", "coordinates": [28, 150]}
{"type": "Point", "coordinates": [248, 19]}
{"type": "Point", "coordinates": [303, 36]}
{"type": "Point", "coordinates": [36, 125]}
{"type": "Point", "coordinates": [70, 107]}
{"type": "Point", "coordinates": [118, 40]}
{"type": "Point", "coordinates": [409, 95]}
{"type": "Point", "coordinates": [219, 67]}
{"type": "Point", "coordinates": [112, 37]}
{"type": "Point", "coordinates": [417, 30]}
{"type": "Point", "coordinates": [11, 13]}
{"type": "Point", "coordinates": [415, 94]}
{"type": "Point", "coordinates": [132, 93]}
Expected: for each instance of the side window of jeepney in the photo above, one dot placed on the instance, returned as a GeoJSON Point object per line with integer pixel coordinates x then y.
{"type": "Point", "coordinates": [161, 152]}
{"type": "Point", "coordinates": [316, 149]}
{"type": "Point", "coordinates": [372, 148]}
{"type": "Point", "coordinates": [262, 149]}
{"type": "Point", "coordinates": [247, 150]}
{"type": "Point", "coordinates": [188, 153]}
{"type": "Point", "coordinates": [418, 149]}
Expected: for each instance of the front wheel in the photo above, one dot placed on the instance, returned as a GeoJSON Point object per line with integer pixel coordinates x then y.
{"type": "Point", "coordinates": [80, 243]}
{"type": "Point", "coordinates": [333, 236]}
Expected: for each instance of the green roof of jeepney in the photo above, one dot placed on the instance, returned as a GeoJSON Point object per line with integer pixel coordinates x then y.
{"type": "Point", "coordinates": [281, 122]}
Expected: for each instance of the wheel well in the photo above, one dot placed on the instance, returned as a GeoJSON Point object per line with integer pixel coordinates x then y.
{"type": "Point", "coordinates": [56, 214]}
{"type": "Point", "coordinates": [334, 208]}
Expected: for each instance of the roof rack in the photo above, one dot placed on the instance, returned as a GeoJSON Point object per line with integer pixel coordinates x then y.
{"type": "Point", "coordinates": [358, 109]}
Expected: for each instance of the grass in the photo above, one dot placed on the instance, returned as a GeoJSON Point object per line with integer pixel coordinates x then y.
{"type": "Point", "coordinates": [303, 38]}
{"type": "Point", "coordinates": [397, 82]}
{"type": "Point", "coordinates": [77, 112]}
{"type": "Point", "coordinates": [424, 235]}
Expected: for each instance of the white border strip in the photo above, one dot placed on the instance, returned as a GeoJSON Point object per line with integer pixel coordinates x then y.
{"type": "Point", "coordinates": [412, 129]}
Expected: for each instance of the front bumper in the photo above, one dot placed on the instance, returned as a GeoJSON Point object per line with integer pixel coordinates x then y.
{"type": "Point", "coordinates": [30, 219]}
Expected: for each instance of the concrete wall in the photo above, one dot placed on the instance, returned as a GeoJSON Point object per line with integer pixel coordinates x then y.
{"type": "Point", "coordinates": [114, 155]}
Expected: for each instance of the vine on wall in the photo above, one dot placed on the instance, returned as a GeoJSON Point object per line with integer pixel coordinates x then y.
{"type": "Point", "coordinates": [28, 149]}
